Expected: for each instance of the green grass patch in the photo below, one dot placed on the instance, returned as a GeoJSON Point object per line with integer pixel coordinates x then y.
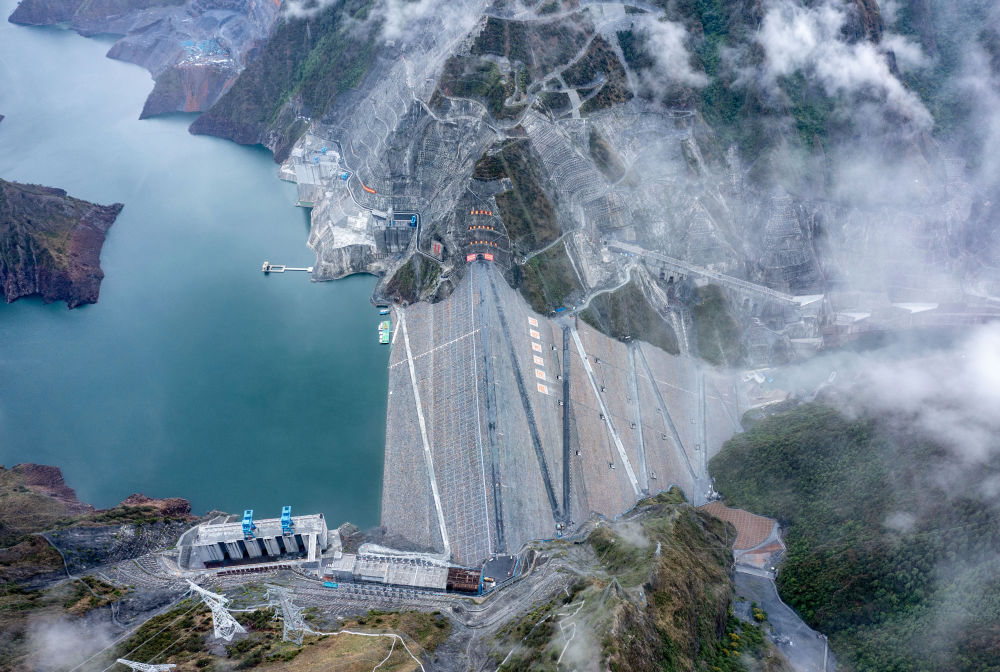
{"type": "Point", "coordinates": [547, 280]}
{"type": "Point", "coordinates": [626, 313]}
{"type": "Point", "coordinates": [527, 213]}
{"type": "Point", "coordinates": [718, 332]}
{"type": "Point", "coordinates": [605, 157]}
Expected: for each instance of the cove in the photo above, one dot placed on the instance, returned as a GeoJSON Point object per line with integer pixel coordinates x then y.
{"type": "Point", "coordinates": [195, 375]}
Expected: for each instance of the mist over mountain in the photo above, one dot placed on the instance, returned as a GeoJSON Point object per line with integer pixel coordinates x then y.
{"type": "Point", "coordinates": [796, 199]}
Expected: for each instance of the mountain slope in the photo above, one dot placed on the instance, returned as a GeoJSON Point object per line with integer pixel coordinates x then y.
{"type": "Point", "coordinates": [50, 244]}
{"type": "Point", "coordinates": [900, 571]}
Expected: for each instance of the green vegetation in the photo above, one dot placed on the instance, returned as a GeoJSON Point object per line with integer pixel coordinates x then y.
{"type": "Point", "coordinates": [599, 59]}
{"type": "Point", "coordinates": [609, 95]}
{"type": "Point", "coordinates": [21, 609]}
{"type": "Point", "coordinates": [527, 213]}
{"type": "Point", "coordinates": [504, 38]}
{"type": "Point", "coordinates": [415, 279]}
{"type": "Point", "coordinates": [626, 313]}
{"type": "Point", "coordinates": [604, 157]}
{"type": "Point", "coordinates": [678, 558]}
{"type": "Point", "coordinates": [37, 225]}
{"type": "Point", "coordinates": [547, 280]}
{"type": "Point", "coordinates": [556, 101]}
{"type": "Point", "coordinates": [718, 332]}
{"type": "Point", "coordinates": [306, 65]}
{"type": "Point", "coordinates": [89, 593]}
{"type": "Point", "coordinates": [180, 636]}
{"type": "Point", "coordinates": [900, 571]}
{"type": "Point", "coordinates": [633, 46]}
{"type": "Point", "coordinates": [945, 32]}
{"type": "Point", "coordinates": [541, 46]}
{"type": "Point", "coordinates": [480, 79]}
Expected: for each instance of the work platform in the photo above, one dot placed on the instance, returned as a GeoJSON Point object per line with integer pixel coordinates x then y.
{"type": "Point", "coordinates": [268, 267]}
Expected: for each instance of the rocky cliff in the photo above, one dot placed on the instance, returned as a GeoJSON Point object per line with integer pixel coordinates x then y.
{"type": "Point", "coordinates": [50, 244]}
{"type": "Point", "coordinates": [35, 498]}
{"type": "Point", "coordinates": [195, 50]}
{"type": "Point", "coordinates": [307, 65]}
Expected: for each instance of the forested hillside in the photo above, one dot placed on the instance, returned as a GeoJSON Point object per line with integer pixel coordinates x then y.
{"type": "Point", "coordinates": [900, 571]}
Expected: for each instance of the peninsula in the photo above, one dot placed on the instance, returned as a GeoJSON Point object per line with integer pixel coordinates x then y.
{"type": "Point", "coordinates": [50, 244]}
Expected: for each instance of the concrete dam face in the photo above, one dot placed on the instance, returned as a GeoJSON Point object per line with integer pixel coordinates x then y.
{"type": "Point", "coordinates": [504, 426]}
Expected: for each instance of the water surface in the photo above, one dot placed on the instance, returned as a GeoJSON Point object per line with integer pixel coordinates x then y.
{"type": "Point", "coordinates": [194, 375]}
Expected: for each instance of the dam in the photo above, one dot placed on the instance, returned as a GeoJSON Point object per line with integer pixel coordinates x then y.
{"type": "Point", "coordinates": [505, 426]}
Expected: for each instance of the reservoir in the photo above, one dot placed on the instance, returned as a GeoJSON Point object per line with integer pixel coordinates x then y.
{"type": "Point", "coordinates": [195, 375]}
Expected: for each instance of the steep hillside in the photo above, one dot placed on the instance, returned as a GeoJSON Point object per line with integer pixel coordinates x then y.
{"type": "Point", "coordinates": [306, 65]}
{"type": "Point", "coordinates": [898, 568]}
{"type": "Point", "coordinates": [194, 49]}
{"type": "Point", "coordinates": [653, 595]}
{"type": "Point", "coordinates": [34, 583]}
{"type": "Point", "coordinates": [50, 244]}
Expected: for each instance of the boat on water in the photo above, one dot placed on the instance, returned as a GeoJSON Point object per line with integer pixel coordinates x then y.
{"type": "Point", "coordinates": [383, 337]}
{"type": "Point", "coordinates": [385, 325]}
{"type": "Point", "coordinates": [384, 311]}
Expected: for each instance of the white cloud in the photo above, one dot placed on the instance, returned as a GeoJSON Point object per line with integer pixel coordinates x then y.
{"type": "Point", "coordinates": [400, 15]}
{"type": "Point", "coordinates": [909, 55]}
{"type": "Point", "coordinates": [951, 397]}
{"type": "Point", "coordinates": [665, 43]}
{"type": "Point", "coordinates": [57, 644]}
{"type": "Point", "coordinates": [809, 39]}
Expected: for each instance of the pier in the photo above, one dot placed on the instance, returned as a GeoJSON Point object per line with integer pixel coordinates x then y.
{"type": "Point", "coordinates": [268, 267]}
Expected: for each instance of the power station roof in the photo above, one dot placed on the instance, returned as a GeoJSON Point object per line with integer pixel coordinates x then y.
{"type": "Point", "coordinates": [266, 527]}
{"type": "Point", "coordinates": [400, 572]}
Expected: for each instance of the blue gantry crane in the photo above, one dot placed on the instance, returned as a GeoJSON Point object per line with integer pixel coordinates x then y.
{"type": "Point", "coordinates": [287, 524]}
{"type": "Point", "coordinates": [248, 525]}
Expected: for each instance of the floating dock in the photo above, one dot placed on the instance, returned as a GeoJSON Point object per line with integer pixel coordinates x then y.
{"type": "Point", "coordinates": [268, 267]}
{"type": "Point", "coordinates": [385, 325]}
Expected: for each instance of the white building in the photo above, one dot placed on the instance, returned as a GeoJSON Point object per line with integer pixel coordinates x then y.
{"type": "Point", "coordinates": [268, 540]}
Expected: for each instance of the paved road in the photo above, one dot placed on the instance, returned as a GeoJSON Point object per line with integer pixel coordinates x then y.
{"type": "Point", "coordinates": [805, 650]}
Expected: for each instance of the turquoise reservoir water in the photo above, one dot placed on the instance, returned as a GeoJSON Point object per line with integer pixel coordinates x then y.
{"type": "Point", "coordinates": [194, 375]}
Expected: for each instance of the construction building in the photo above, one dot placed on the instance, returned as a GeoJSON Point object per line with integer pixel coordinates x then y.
{"type": "Point", "coordinates": [248, 540]}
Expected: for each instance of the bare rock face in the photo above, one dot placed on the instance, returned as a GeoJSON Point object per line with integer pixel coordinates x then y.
{"type": "Point", "coordinates": [171, 506]}
{"type": "Point", "coordinates": [50, 244]}
{"type": "Point", "coordinates": [48, 480]}
{"type": "Point", "coordinates": [865, 21]}
{"type": "Point", "coordinates": [195, 49]}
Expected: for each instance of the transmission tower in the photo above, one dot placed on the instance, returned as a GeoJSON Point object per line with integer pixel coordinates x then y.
{"type": "Point", "coordinates": [225, 625]}
{"type": "Point", "coordinates": [145, 667]}
{"type": "Point", "coordinates": [295, 625]}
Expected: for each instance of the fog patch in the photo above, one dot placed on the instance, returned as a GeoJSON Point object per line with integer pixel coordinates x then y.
{"type": "Point", "coordinates": [303, 9]}
{"type": "Point", "coordinates": [810, 40]}
{"type": "Point", "coordinates": [633, 534]}
{"type": "Point", "coordinates": [666, 43]}
{"type": "Point", "coordinates": [580, 648]}
{"type": "Point", "coordinates": [909, 55]}
{"type": "Point", "coordinates": [59, 643]}
{"type": "Point", "coordinates": [900, 521]}
{"type": "Point", "coordinates": [951, 397]}
{"type": "Point", "coordinates": [400, 16]}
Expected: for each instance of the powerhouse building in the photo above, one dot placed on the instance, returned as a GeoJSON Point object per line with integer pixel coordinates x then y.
{"type": "Point", "coordinates": [261, 540]}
